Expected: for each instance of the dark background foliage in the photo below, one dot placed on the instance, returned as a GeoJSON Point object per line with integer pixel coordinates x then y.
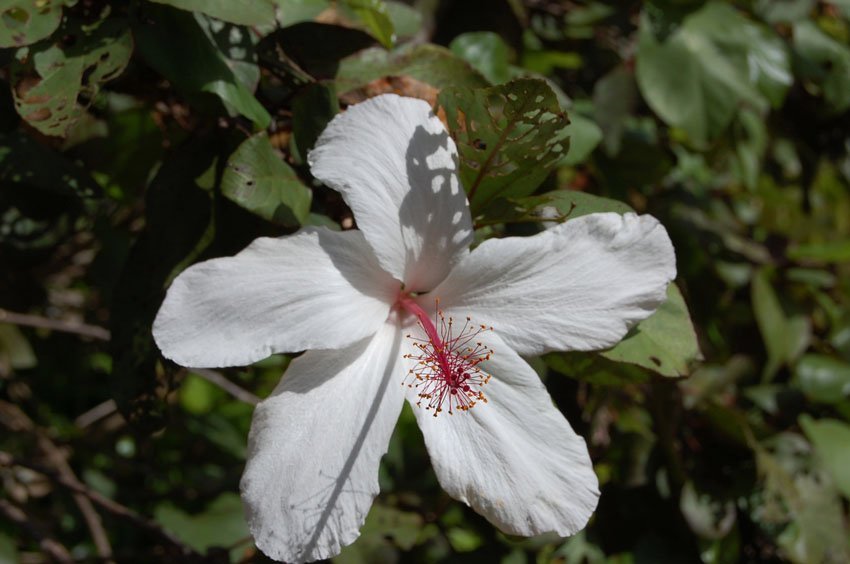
{"type": "Point", "coordinates": [138, 137]}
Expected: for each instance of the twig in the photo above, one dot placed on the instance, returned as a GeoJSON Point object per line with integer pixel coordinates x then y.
{"type": "Point", "coordinates": [107, 504]}
{"type": "Point", "coordinates": [15, 419]}
{"type": "Point", "coordinates": [50, 546]}
{"type": "Point", "coordinates": [96, 413]}
{"type": "Point", "coordinates": [25, 319]}
{"type": "Point", "coordinates": [57, 460]}
{"type": "Point", "coordinates": [219, 380]}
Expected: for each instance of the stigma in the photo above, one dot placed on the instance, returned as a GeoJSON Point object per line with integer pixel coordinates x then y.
{"type": "Point", "coordinates": [446, 375]}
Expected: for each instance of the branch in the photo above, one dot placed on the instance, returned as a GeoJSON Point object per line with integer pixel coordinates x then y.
{"type": "Point", "coordinates": [49, 545]}
{"type": "Point", "coordinates": [27, 320]}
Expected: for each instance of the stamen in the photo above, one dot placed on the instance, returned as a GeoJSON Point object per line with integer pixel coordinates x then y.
{"type": "Point", "coordinates": [447, 374]}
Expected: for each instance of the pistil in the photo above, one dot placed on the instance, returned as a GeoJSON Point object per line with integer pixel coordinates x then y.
{"type": "Point", "coordinates": [446, 370]}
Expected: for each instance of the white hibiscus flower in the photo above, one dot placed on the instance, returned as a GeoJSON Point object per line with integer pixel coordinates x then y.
{"type": "Point", "coordinates": [364, 304]}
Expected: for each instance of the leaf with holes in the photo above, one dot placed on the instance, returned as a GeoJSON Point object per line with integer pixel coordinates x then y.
{"type": "Point", "coordinates": [53, 84]}
{"type": "Point", "coordinates": [258, 180]}
{"type": "Point", "coordinates": [23, 22]}
{"type": "Point", "coordinates": [664, 342]}
{"type": "Point", "coordinates": [509, 137]}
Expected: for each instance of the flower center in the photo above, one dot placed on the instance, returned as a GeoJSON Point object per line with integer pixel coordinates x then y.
{"type": "Point", "coordinates": [446, 371]}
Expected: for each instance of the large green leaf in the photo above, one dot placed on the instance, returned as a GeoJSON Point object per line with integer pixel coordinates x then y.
{"type": "Point", "coordinates": [664, 342]}
{"type": "Point", "coordinates": [832, 443]}
{"type": "Point", "coordinates": [174, 44]}
{"type": "Point", "coordinates": [434, 65]}
{"type": "Point", "coordinates": [382, 20]}
{"type": "Point", "coordinates": [23, 22]}
{"type": "Point", "coordinates": [243, 12]}
{"type": "Point", "coordinates": [486, 51]}
{"type": "Point", "coordinates": [509, 137]}
{"type": "Point", "coordinates": [696, 78]}
{"type": "Point", "coordinates": [53, 84]}
{"type": "Point", "coordinates": [376, 18]}
{"type": "Point", "coordinates": [257, 179]}
{"type": "Point", "coordinates": [557, 205]}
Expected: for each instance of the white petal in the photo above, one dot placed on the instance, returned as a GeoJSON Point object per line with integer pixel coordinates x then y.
{"type": "Point", "coordinates": [315, 446]}
{"type": "Point", "coordinates": [314, 289]}
{"type": "Point", "coordinates": [515, 459]}
{"type": "Point", "coordinates": [395, 166]}
{"type": "Point", "coordinates": [578, 286]}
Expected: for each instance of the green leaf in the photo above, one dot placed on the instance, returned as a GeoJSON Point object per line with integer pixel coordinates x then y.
{"type": "Point", "coordinates": [53, 84]}
{"type": "Point", "coordinates": [824, 64]}
{"type": "Point", "coordinates": [258, 180]}
{"type": "Point", "coordinates": [486, 52]}
{"type": "Point", "coordinates": [614, 101]}
{"type": "Point", "coordinates": [799, 502]}
{"type": "Point", "coordinates": [8, 549]}
{"type": "Point", "coordinates": [584, 136]}
{"type": "Point", "coordinates": [221, 524]}
{"type": "Point", "coordinates": [290, 12]}
{"type": "Point", "coordinates": [174, 44]}
{"type": "Point", "coordinates": [374, 15]}
{"type": "Point", "coordinates": [407, 20]}
{"type": "Point", "coordinates": [823, 378]}
{"type": "Point", "coordinates": [835, 251]}
{"type": "Point", "coordinates": [15, 350]}
{"type": "Point", "coordinates": [831, 439]}
{"type": "Point", "coordinates": [434, 65]}
{"type": "Point", "coordinates": [23, 22]}
{"type": "Point", "coordinates": [509, 137]}
{"type": "Point", "coordinates": [697, 77]}
{"type": "Point", "coordinates": [751, 144]}
{"type": "Point", "coordinates": [665, 342]}
{"type": "Point", "coordinates": [557, 205]}
{"type": "Point", "coordinates": [243, 12]}
{"type": "Point", "coordinates": [785, 339]}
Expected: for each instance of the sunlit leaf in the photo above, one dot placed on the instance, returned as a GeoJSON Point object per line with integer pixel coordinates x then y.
{"type": "Point", "coordinates": [257, 179]}
{"type": "Point", "coordinates": [509, 137]}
